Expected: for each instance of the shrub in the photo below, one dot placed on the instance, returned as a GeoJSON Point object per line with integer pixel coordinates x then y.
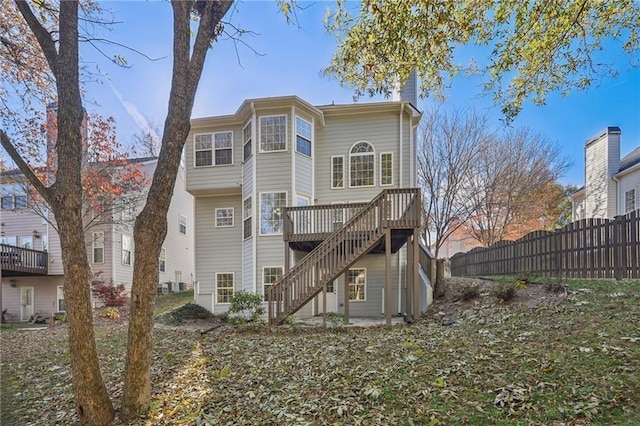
{"type": "Point", "coordinates": [189, 311]}
{"type": "Point", "coordinates": [467, 292]}
{"type": "Point", "coordinates": [248, 305]}
{"type": "Point", "coordinates": [108, 293]}
{"type": "Point", "coordinates": [110, 312]}
{"type": "Point", "coordinates": [505, 291]}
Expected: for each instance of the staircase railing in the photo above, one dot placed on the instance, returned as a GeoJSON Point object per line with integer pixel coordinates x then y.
{"type": "Point", "coordinates": [341, 249]}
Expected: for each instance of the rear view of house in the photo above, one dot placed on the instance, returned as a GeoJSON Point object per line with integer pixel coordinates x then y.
{"type": "Point", "coordinates": [312, 207]}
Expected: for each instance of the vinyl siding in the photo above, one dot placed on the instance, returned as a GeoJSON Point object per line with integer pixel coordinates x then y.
{"type": "Point", "coordinates": [217, 249]}
{"type": "Point", "coordinates": [247, 178]}
{"type": "Point", "coordinates": [44, 295]}
{"type": "Point", "coordinates": [211, 178]}
{"type": "Point", "coordinates": [627, 183]}
{"type": "Point", "coordinates": [304, 175]}
{"type": "Point", "coordinates": [602, 161]}
{"type": "Point", "coordinates": [381, 130]}
{"type": "Point", "coordinates": [247, 265]}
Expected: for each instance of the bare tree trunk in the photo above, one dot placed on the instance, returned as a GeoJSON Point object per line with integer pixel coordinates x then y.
{"type": "Point", "coordinates": [151, 225]}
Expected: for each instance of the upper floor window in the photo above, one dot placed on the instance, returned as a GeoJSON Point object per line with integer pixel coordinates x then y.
{"type": "Point", "coordinates": [98, 247]}
{"type": "Point", "coordinates": [303, 136]}
{"type": "Point", "coordinates": [162, 260]}
{"type": "Point", "coordinates": [337, 172]}
{"type": "Point", "coordinates": [630, 201]}
{"type": "Point", "coordinates": [271, 205]}
{"type": "Point", "coordinates": [182, 225]}
{"type": "Point", "coordinates": [246, 218]}
{"type": "Point", "coordinates": [386, 169]}
{"type": "Point", "coordinates": [224, 217]}
{"type": "Point", "coordinates": [127, 249]}
{"type": "Point", "coordinates": [273, 133]}
{"type": "Point", "coordinates": [14, 196]}
{"type": "Point", "coordinates": [213, 149]}
{"type": "Point", "coordinates": [362, 165]}
{"type": "Point", "coordinates": [246, 141]}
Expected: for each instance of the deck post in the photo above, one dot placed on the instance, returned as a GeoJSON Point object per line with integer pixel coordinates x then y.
{"type": "Point", "coordinates": [346, 297]}
{"type": "Point", "coordinates": [416, 274]}
{"type": "Point", "coordinates": [408, 304]}
{"type": "Point", "coordinates": [388, 292]}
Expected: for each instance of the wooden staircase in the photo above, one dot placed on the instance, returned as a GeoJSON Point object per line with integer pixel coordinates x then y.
{"type": "Point", "coordinates": [392, 210]}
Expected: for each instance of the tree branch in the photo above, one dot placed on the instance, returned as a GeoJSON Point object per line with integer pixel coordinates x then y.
{"type": "Point", "coordinates": [24, 167]}
{"type": "Point", "coordinates": [44, 38]}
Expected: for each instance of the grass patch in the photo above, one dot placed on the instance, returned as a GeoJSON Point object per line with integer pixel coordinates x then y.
{"type": "Point", "coordinates": [566, 360]}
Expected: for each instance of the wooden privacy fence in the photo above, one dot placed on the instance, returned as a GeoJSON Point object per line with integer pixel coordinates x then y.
{"type": "Point", "coordinates": [589, 248]}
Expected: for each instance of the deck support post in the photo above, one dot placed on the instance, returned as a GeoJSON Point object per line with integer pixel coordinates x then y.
{"type": "Point", "coordinates": [388, 293]}
{"type": "Point", "coordinates": [408, 304]}
{"type": "Point", "coordinates": [416, 274]}
{"type": "Point", "coordinates": [346, 297]}
{"type": "Point", "coordinates": [324, 304]}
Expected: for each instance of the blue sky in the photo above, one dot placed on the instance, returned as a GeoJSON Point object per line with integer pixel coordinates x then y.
{"type": "Point", "coordinates": [290, 63]}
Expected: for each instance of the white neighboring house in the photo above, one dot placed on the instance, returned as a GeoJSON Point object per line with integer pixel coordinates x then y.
{"type": "Point", "coordinates": [612, 184]}
{"type": "Point", "coordinates": [330, 161]}
{"type": "Point", "coordinates": [32, 275]}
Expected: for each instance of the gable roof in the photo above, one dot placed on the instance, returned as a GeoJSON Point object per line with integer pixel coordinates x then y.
{"type": "Point", "coordinates": [630, 160]}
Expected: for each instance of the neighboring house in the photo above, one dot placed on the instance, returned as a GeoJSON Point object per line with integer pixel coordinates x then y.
{"type": "Point", "coordinates": [612, 184]}
{"type": "Point", "coordinates": [32, 274]}
{"type": "Point", "coordinates": [281, 168]}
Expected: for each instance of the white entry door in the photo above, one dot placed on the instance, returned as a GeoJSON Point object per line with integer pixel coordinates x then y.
{"type": "Point", "coordinates": [332, 299]}
{"type": "Point", "coordinates": [26, 303]}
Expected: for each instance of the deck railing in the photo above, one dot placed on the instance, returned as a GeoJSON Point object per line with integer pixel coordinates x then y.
{"type": "Point", "coordinates": [391, 209]}
{"type": "Point", "coordinates": [22, 261]}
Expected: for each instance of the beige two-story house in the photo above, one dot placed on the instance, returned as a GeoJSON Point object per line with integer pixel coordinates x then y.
{"type": "Point", "coordinates": [32, 273]}
{"type": "Point", "coordinates": [312, 207]}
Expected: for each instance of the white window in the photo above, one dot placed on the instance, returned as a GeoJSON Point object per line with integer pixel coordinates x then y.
{"type": "Point", "coordinates": [247, 223]}
{"type": "Point", "coordinates": [13, 196]}
{"type": "Point", "coordinates": [362, 165]}
{"type": "Point", "coordinates": [246, 146]}
{"type": "Point", "coordinates": [337, 172]}
{"type": "Point", "coordinates": [271, 205]}
{"type": "Point", "coordinates": [630, 201]}
{"type": "Point", "coordinates": [61, 305]}
{"type": "Point", "coordinates": [224, 287]}
{"type": "Point", "coordinates": [162, 260]}
{"type": "Point", "coordinates": [182, 226]}
{"type": "Point", "coordinates": [270, 274]}
{"type": "Point", "coordinates": [45, 242]}
{"type": "Point", "coordinates": [273, 133]}
{"type": "Point", "coordinates": [386, 169]}
{"type": "Point", "coordinates": [223, 147]}
{"type": "Point", "coordinates": [304, 136]}
{"type": "Point", "coordinates": [224, 217]}
{"type": "Point", "coordinates": [202, 148]}
{"type": "Point", "coordinates": [126, 249]}
{"type": "Point", "coordinates": [357, 284]}
{"type": "Point", "coordinates": [98, 247]}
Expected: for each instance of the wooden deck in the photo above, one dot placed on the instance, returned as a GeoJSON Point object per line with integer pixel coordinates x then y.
{"type": "Point", "coordinates": [18, 261]}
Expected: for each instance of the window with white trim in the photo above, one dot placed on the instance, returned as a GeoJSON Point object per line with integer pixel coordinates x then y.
{"type": "Point", "coordinates": [223, 148]}
{"type": "Point", "coordinates": [182, 224]}
{"type": "Point", "coordinates": [386, 169]}
{"type": "Point", "coordinates": [630, 201]}
{"type": "Point", "coordinates": [304, 136]}
{"type": "Point", "coordinates": [203, 149]}
{"type": "Point", "coordinates": [357, 284]}
{"type": "Point", "coordinates": [127, 249]}
{"type": "Point", "coordinates": [98, 247]}
{"type": "Point", "coordinates": [162, 260]}
{"type": "Point", "coordinates": [270, 274]}
{"type": "Point", "coordinates": [247, 223]}
{"type": "Point", "coordinates": [61, 305]}
{"type": "Point", "coordinates": [337, 172]}
{"type": "Point", "coordinates": [246, 138]}
{"type": "Point", "coordinates": [213, 149]}
{"type": "Point", "coordinates": [362, 165]}
{"type": "Point", "coordinates": [224, 287]}
{"type": "Point", "coordinates": [273, 133]}
{"type": "Point", "coordinates": [224, 217]}
{"type": "Point", "coordinates": [13, 196]}
{"type": "Point", "coordinates": [271, 206]}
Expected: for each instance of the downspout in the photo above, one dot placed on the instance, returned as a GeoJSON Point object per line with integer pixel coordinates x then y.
{"type": "Point", "coordinates": [400, 158]}
{"type": "Point", "coordinates": [254, 199]}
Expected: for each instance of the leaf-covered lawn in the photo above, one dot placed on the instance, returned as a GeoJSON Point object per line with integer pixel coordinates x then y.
{"type": "Point", "coordinates": [572, 360]}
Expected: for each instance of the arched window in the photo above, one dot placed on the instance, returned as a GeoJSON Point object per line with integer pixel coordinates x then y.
{"type": "Point", "coordinates": [362, 165]}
